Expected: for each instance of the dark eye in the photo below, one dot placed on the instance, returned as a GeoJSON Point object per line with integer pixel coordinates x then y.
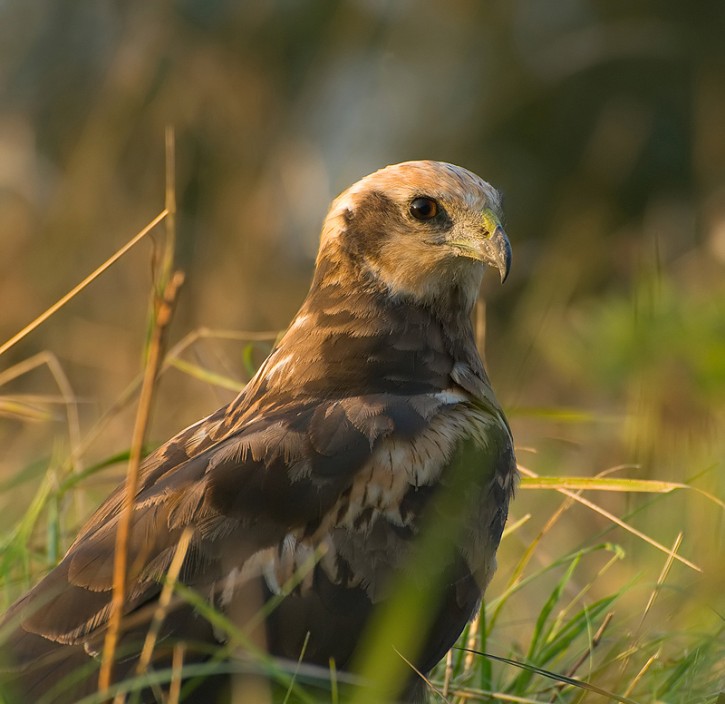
{"type": "Point", "coordinates": [423, 208]}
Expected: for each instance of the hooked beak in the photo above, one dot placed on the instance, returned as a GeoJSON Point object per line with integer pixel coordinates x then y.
{"type": "Point", "coordinates": [490, 245]}
{"type": "Point", "coordinates": [496, 251]}
{"type": "Point", "coordinates": [495, 248]}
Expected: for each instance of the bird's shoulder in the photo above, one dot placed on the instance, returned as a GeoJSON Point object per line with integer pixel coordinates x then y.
{"type": "Point", "coordinates": [296, 457]}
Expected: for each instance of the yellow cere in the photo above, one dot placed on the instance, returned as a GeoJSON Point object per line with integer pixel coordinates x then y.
{"type": "Point", "coordinates": [491, 222]}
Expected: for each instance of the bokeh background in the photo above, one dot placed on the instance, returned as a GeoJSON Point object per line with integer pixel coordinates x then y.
{"type": "Point", "coordinates": [602, 122]}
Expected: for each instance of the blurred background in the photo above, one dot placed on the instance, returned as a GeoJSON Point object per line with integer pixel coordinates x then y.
{"type": "Point", "coordinates": [602, 122]}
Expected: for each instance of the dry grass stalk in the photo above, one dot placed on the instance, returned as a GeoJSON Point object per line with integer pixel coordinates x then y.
{"type": "Point", "coordinates": [448, 673]}
{"type": "Point", "coordinates": [77, 289]}
{"type": "Point", "coordinates": [164, 305]}
{"type": "Point", "coordinates": [643, 671]}
{"type": "Point", "coordinates": [164, 601]}
{"type": "Point", "coordinates": [69, 400]}
{"type": "Point", "coordinates": [120, 561]}
{"type": "Point", "coordinates": [662, 577]}
{"type": "Point", "coordinates": [618, 521]}
{"type": "Point", "coordinates": [585, 655]}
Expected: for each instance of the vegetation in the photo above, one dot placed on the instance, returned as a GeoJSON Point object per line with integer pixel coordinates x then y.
{"type": "Point", "coordinates": [601, 123]}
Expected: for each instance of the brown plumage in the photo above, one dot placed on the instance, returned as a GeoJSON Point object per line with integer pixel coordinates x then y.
{"type": "Point", "coordinates": [339, 444]}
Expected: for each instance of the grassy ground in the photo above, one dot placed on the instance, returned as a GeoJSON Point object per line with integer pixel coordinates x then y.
{"type": "Point", "coordinates": [611, 582]}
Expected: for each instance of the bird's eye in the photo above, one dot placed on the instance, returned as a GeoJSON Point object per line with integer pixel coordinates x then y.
{"type": "Point", "coordinates": [423, 208]}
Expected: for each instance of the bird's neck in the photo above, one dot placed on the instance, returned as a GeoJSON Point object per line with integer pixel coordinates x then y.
{"type": "Point", "coordinates": [350, 336]}
{"type": "Point", "coordinates": [339, 283]}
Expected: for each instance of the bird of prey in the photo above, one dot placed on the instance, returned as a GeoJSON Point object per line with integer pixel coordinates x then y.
{"type": "Point", "coordinates": [337, 455]}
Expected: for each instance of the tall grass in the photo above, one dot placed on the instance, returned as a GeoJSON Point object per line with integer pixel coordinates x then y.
{"type": "Point", "coordinates": [611, 577]}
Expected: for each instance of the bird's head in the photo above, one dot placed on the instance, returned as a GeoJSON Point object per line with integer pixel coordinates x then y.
{"type": "Point", "coordinates": [424, 229]}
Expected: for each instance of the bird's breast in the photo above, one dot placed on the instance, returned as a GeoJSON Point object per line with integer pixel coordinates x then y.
{"type": "Point", "coordinates": [369, 534]}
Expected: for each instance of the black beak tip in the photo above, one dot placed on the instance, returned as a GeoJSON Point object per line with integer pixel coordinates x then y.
{"type": "Point", "coordinates": [503, 255]}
